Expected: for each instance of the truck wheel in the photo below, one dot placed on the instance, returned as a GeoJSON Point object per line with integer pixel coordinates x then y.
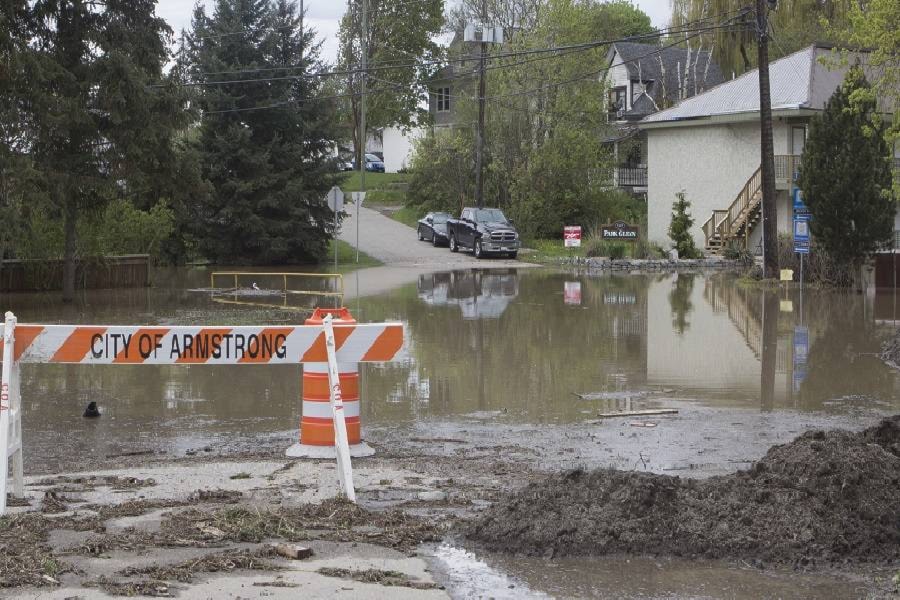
{"type": "Point", "coordinates": [419, 231]}
{"type": "Point", "coordinates": [434, 240]}
{"type": "Point", "coordinates": [477, 249]}
{"type": "Point", "coordinates": [453, 246]}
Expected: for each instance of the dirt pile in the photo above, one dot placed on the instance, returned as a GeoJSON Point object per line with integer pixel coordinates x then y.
{"type": "Point", "coordinates": [825, 498]}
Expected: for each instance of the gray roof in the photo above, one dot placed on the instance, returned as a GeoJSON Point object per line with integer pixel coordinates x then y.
{"type": "Point", "coordinates": [661, 67]}
{"type": "Point", "coordinates": [797, 81]}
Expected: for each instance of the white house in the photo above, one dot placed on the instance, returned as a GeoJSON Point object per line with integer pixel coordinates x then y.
{"type": "Point", "coordinates": [642, 79]}
{"type": "Point", "coordinates": [709, 147]}
{"type": "Point", "coordinates": [397, 146]}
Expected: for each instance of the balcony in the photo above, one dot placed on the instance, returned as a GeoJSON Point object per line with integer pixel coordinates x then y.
{"type": "Point", "coordinates": [630, 176]}
{"type": "Point", "coordinates": [786, 169]}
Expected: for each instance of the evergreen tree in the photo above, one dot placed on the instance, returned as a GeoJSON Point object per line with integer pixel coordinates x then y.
{"type": "Point", "coordinates": [680, 228]}
{"type": "Point", "coordinates": [263, 146]}
{"type": "Point", "coordinates": [99, 113]}
{"type": "Point", "coordinates": [845, 175]}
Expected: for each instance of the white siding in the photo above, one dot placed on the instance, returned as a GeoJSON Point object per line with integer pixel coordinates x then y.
{"type": "Point", "coordinates": [618, 76]}
{"type": "Point", "coordinates": [711, 163]}
{"type": "Point", "coordinates": [398, 147]}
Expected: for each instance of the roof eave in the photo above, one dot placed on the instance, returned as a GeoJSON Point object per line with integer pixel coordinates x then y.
{"type": "Point", "coordinates": [736, 117]}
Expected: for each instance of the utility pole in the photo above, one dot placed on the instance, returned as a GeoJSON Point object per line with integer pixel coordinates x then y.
{"type": "Point", "coordinates": [479, 142]}
{"type": "Point", "coordinates": [767, 151]}
{"type": "Point", "coordinates": [362, 118]}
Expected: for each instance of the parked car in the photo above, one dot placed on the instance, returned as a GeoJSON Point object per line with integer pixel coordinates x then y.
{"type": "Point", "coordinates": [373, 163]}
{"type": "Point", "coordinates": [433, 228]}
{"type": "Point", "coordinates": [484, 231]}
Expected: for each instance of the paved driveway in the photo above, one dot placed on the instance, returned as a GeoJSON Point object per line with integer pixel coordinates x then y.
{"type": "Point", "coordinates": [396, 245]}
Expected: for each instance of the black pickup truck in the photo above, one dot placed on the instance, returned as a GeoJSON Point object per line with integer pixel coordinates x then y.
{"type": "Point", "coordinates": [484, 231]}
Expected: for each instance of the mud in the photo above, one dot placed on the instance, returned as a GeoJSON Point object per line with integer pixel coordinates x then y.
{"type": "Point", "coordinates": [827, 498]}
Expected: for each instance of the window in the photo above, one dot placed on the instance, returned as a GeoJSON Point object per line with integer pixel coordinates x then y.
{"type": "Point", "coordinates": [798, 140]}
{"type": "Point", "coordinates": [442, 96]}
{"type": "Point", "coordinates": [617, 99]}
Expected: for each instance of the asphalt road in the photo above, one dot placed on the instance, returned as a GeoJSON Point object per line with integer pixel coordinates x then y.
{"type": "Point", "coordinates": [397, 245]}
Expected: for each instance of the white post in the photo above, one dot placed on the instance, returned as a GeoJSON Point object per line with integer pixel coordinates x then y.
{"type": "Point", "coordinates": [9, 340]}
{"type": "Point", "coordinates": [15, 415]}
{"type": "Point", "coordinates": [341, 445]}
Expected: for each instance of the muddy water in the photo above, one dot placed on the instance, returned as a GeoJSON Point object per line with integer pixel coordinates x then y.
{"type": "Point", "coordinates": [494, 355]}
{"type": "Point", "coordinates": [532, 347]}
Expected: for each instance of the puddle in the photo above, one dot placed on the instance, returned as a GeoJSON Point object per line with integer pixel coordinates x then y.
{"type": "Point", "coordinates": [469, 575]}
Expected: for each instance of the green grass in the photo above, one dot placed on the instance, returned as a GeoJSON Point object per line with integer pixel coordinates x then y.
{"type": "Point", "coordinates": [382, 189]}
{"type": "Point", "coordinates": [407, 216]}
{"type": "Point", "coordinates": [347, 258]}
{"type": "Point", "coordinates": [550, 251]}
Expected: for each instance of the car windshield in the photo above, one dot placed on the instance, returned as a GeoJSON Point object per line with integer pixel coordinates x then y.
{"type": "Point", "coordinates": [372, 158]}
{"type": "Point", "coordinates": [439, 217]}
{"type": "Point", "coordinates": [489, 215]}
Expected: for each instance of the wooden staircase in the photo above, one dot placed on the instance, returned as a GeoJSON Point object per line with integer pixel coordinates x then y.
{"type": "Point", "coordinates": [737, 221]}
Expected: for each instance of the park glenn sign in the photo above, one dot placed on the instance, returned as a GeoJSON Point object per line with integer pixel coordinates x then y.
{"type": "Point", "coordinates": [620, 230]}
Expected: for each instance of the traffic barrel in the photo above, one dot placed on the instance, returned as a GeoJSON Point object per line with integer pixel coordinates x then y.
{"type": "Point", "coordinates": [316, 421]}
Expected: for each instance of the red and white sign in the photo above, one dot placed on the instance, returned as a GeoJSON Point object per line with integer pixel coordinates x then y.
{"type": "Point", "coordinates": [572, 236]}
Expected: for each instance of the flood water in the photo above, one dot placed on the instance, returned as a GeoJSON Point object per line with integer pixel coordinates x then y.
{"type": "Point", "coordinates": [522, 343]}
{"type": "Point", "coordinates": [537, 346]}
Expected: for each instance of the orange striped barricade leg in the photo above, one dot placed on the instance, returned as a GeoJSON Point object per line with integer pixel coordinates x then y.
{"type": "Point", "coordinates": [316, 423]}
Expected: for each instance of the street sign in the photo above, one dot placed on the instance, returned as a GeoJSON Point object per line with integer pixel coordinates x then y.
{"type": "Point", "coordinates": [572, 236]}
{"type": "Point", "coordinates": [799, 206]}
{"type": "Point", "coordinates": [358, 198]}
{"type": "Point", "coordinates": [620, 230]}
{"type": "Point", "coordinates": [801, 233]}
{"type": "Point", "coordinates": [335, 199]}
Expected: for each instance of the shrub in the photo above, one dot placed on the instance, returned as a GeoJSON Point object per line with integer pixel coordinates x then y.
{"type": "Point", "coordinates": [643, 249]}
{"type": "Point", "coordinates": [680, 228]}
{"type": "Point", "coordinates": [596, 247]}
{"type": "Point", "coordinates": [736, 251]}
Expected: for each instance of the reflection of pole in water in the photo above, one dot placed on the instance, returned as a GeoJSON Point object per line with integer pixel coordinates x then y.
{"type": "Point", "coordinates": [769, 350]}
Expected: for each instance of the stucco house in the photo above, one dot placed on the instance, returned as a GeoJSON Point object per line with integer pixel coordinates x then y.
{"type": "Point", "coordinates": [709, 147]}
{"type": "Point", "coordinates": [643, 79]}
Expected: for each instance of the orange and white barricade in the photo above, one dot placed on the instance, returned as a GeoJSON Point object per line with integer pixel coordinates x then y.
{"type": "Point", "coordinates": [317, 428]}
{"type": "Point", "coordinates": [349, 343]}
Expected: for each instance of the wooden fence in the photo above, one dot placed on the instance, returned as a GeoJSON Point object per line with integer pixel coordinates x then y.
{"type": "Point", "coordinates": [130, 271]}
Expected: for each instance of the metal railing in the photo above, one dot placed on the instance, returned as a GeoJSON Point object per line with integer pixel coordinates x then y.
{"type": "Point", "coordinates": [625, 176]}
{"type": "Point", "coordinates": [235, 278]}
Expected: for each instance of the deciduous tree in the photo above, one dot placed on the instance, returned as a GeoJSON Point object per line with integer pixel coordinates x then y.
{"type": "Point", "coordinates": [98, 111]}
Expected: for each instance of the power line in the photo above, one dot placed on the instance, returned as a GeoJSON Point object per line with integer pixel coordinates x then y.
{"type": "Point", "coordinates": [396, 85]}
{"type": "Point", "coordinates": [441, 62]}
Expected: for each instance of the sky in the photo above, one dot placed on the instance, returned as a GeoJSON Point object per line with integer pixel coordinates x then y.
{"type": "Point", "coordinates": [325, 15]}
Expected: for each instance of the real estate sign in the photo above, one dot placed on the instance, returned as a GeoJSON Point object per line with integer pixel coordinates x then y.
{"type": "Point", "coordinates": [620, 230]}
{"type": "Point", "coordinates": [572, 236]}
